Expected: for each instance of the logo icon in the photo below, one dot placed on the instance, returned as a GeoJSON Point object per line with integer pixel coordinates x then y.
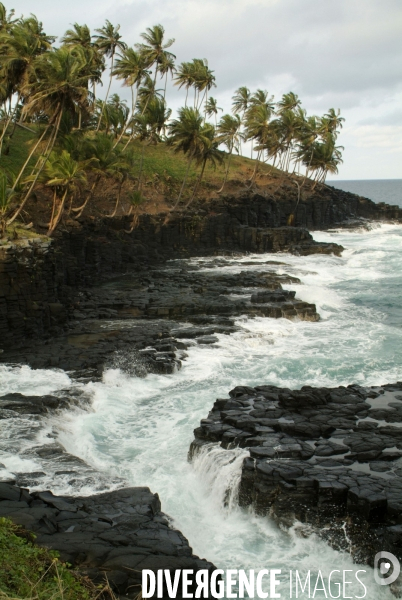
{"type": "Point", "coordinates": [386, 568]}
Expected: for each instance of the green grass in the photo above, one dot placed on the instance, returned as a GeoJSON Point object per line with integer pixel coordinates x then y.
{"type": "Point", "coordinates": [19, 149]}
{"type": "Point", "coordinates": [159, 159]}
{"type": "Point", "coordinates": [30, 572]}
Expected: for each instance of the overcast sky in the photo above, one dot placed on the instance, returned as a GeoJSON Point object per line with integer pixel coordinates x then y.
{"type": "Point", "coordinates": [345, 54]}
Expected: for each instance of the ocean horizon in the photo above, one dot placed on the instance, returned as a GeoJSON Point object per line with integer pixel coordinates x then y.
{"type": "Point", "coordinates": [378, 190]}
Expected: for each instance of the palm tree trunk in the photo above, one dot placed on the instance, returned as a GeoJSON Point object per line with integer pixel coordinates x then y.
{"type": "Point", "coordinates": [55, 221]}
{"type": "Point", "coordinates": [255, 168]}
{"type": "Point", "coordinates": [80, 209]}
{"type": "Point", "coordinates": [141, 166]}
{"type": "Point", "coordinates": [53, 207]}
{"type": "Point", "coordinates": [117, 201]}
{"type": "Point", "coordinates": [44, 161]}
{"type": "Point", "coordinates": [29, 157]}
{"type": "Point", "coordinates": [227, 172]}
{"type": "Point", "coordinates": [6, 126]}
{"type": "Point", "coordinates": [196, 185]}
{"type": "Point", "coordinates": [107, 93]}
{"type": "Point", "coordinates": [124, 129]}
{"type": "Point", "coordinates": [183, 184]}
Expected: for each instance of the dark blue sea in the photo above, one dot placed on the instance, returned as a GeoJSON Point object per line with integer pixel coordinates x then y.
{"type": "Point", "coordinates": [378, 190]}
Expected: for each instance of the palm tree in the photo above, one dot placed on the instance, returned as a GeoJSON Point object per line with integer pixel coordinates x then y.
{"type": "Point", "coordinates": [212, 108]}
{"type": "Point", "coordinates": [184, 77]}
{"type": "Point", "coordinates": [332, 121]}
{"type": "Point", "coordinates": [136, 199]}
{"type": "Point", "coordinates": [155, 50]}
{"type": "Point", "coordinates": [7, 21]}
{"type": "Point", "coordinates": [60, 86]}
{"type": "Point", "coordinates": [289, 101]}
{"type": "Point", "coordinates": [131, 69]}
{"type": "Point", "coordinates": [229, 134]}
{"type": "Point", "coordinates": [325, 159]}
{"type": "Point", "coordinates": [203, 79]}
{"type": "Point", "coordinates": [167, 66]}
{"type": "Point", "coordinates": [209, 151]}
{"type": "Point", "coordinates": [260, 98]}
{"type": "Point", "coordinates": [100, 151]}
{"type": "Point", "coordinates": [80, 35]}
{"type": "Point", "coordinates": [241, 100]}
{"type": "Point", "coordinates": [63, 174]}
{"type": "Point", "coordinates": [20, 47]}
{"type": "Point", "coordinates": [257, 128]}
{"type": "Point", "coordinates": [147, 92]}
{"type": "Point", "coordinates": [187, 136]}
{"type": "Point", "coordinates": [291, 124]}
{"type": "Point", "coordinates": [119, 171]}
{"type": "Point", "coordinates": [108, 41]}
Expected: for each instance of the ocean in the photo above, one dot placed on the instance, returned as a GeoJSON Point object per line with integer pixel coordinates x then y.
{"type": "Point", "coordinates": [378, 190]}
{"type": "Point", "coordinates": [140, 429]}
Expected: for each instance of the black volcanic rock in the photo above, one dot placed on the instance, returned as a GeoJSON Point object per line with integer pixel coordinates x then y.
{"type": "Point", "coordinates": [320, 456]}
{"type": "Point", "coordinates": [113, 535]}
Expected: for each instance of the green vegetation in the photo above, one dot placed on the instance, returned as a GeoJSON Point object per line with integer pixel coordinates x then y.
{"type": "Point", "coordinates": [30, 572]}
{"type": "Point", "coordinates": [56, 135]}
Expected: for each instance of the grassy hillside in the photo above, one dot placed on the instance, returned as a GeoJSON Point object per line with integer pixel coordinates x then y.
{"type": "Point", "coordinates": [163, 173]}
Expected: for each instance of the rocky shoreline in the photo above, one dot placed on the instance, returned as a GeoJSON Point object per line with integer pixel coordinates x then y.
{"type": "Point", "coordinates": [109, 536]}
{"type": "Point", "coordinates": [327, 457]}
{"type": "Point", "coordinates": [40, 280]}
{"type": "Point", "coordinates": [63, 305]}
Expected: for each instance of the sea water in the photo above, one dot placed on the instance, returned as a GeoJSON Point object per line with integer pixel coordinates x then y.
{"type": "Point", "coordinates": [378, 190]}
{"type": "Point", "coordinates": [140, 429]}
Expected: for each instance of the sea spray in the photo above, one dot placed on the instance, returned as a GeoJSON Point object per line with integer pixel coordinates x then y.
{"type": "Point", "coordinates": [221, 472]}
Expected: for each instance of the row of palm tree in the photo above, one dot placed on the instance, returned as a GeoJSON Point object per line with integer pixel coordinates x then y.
{"type": "Point", "coordinates": [79, 139]}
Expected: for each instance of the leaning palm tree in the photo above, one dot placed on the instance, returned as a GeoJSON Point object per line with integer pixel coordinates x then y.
{"type": "Point", "coordinates": [60, 87]}
{"type": "Point", "coordinates": [20, 48]}
{"type": "Point", "coordinates": [147, 92]}
{"type": "Point", "coordinates": [257, 129]}
{"type": "Point", "coordinates": [212, 108]}
{"type": "Point", "coordinates": [289, 101]}
{"type": "Point", "coordinates": [154, 50]}
{"type": "Point", "coordinates": [63, 174]}
{"type": "Point", "coordinates": [120, 171]}
{"type": "Point", "coordinates": [326, 158]}
{"type": "Point", "coordinates": [203, 80]}
{"type": "Point", "coordinates": [100, 151]}
{"type": "Point", "coordinates": [229, 135]}
{"type": "Point", "coordinates": [241, 100]}
{"type": "Point", "coordinates": [80, 35]}
{"type": "Point", "coordinates": [184, 77]}
{"type": "Point", "coordinates": [108, 41]}
{"type": "Point", "coordinates": [166, 66]}
{"type": "Point", "coordinates": [332, 121]}
{"type": "Point", "coordinates": [131, 69]}
{"type": "Point", "coordinates": [187, 136]}
{"type": "Point", "coordinates": [136, 200]}
{"type": "Point", "coordinates": [208, 152]}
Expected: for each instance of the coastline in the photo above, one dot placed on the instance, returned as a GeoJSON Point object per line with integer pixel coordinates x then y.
{"type": "Point", "coordinates": [169, 345]}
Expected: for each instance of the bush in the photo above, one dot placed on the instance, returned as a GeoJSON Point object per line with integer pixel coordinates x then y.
{"type": "Point", "coordinates": [30, 572]}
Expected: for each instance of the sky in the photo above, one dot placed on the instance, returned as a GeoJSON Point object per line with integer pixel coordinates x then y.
{"type": "Point", "coordinates": [345, 54]}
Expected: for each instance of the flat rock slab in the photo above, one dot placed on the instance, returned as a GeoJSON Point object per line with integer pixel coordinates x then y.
{"type": "Point", "coordinates": [329, 457]}
{"type": "Point", "coordinates": [115, 534]}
